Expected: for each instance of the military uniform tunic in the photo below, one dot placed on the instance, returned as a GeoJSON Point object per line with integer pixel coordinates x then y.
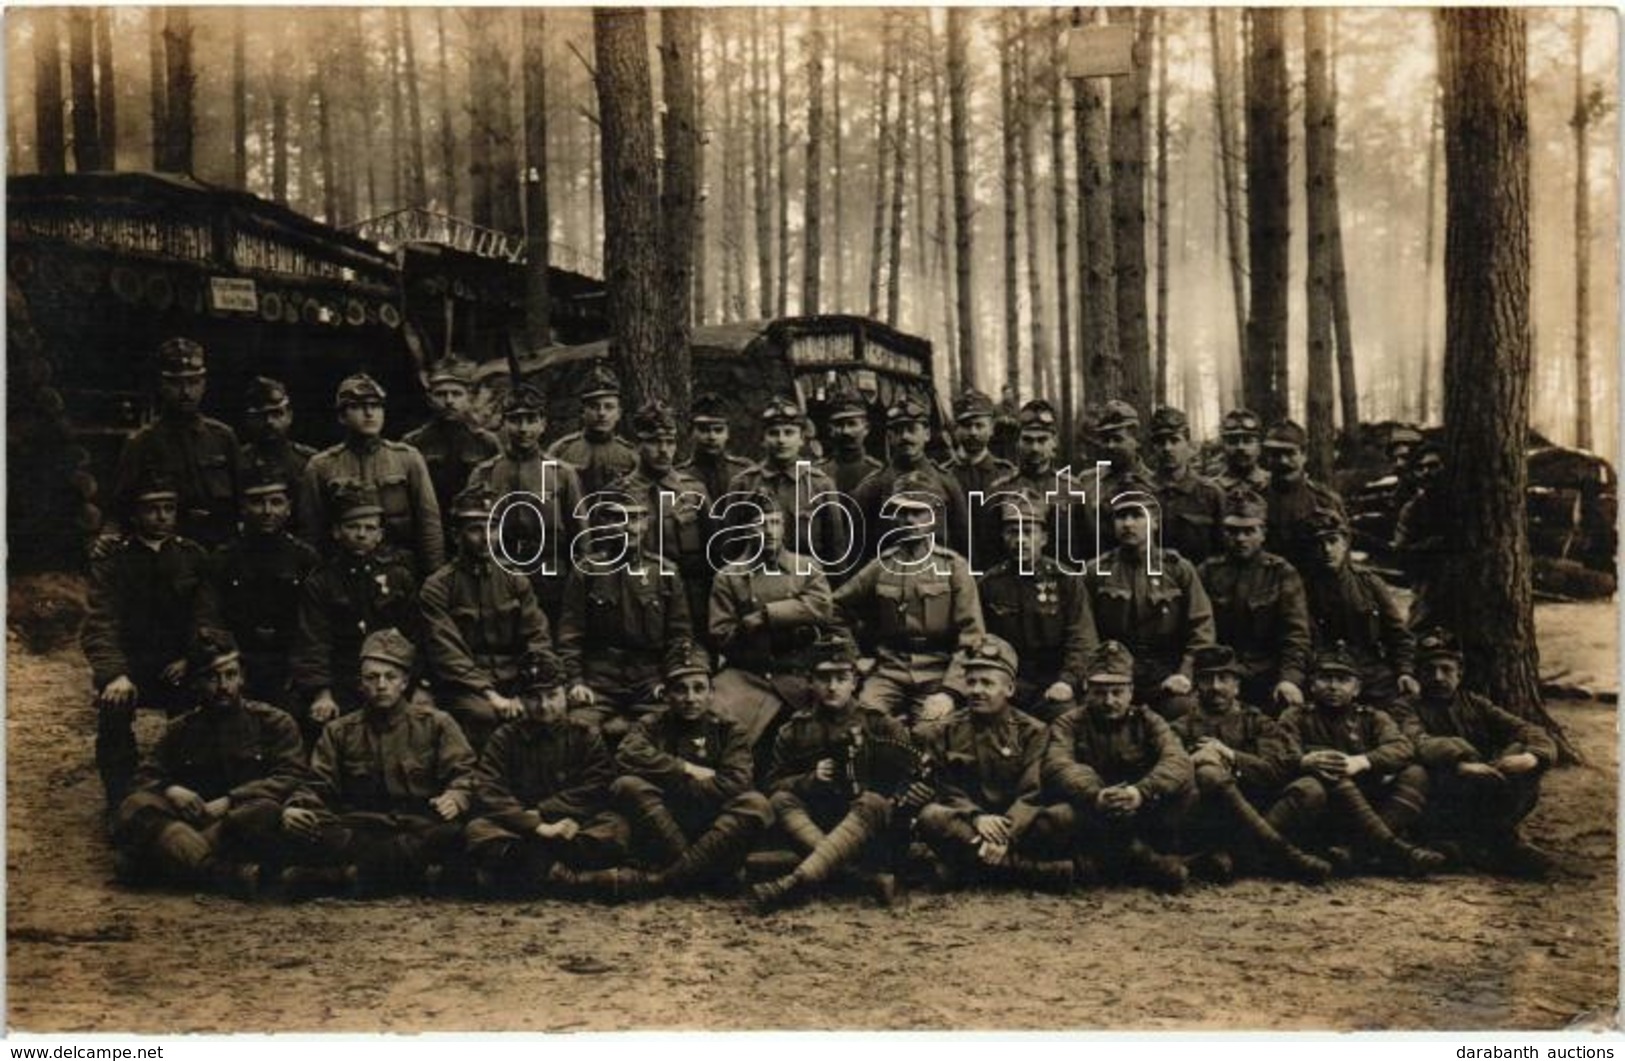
{"type": "Point", "coordinates": [543, 530]}
{"type": "Point", "coordinates": [973, 476]}
{"type": "Point", "coordinates": [397, 472]}
{"type": "Point", "coordinates": [343, 601]}
{"type": "Point", "coordinates": [715, 472]}
{"type": "Point", "coordinates": [1260, 611]}
{"type": "Point", "coordinates": [847, 474]}
{"type": "Point", "coordinates": [201, 457]}
{"type": "Point", "coordinates": [1086, 752]}
{"type": "Point", "coordinates": [282, 455]}
{"type": "Point", "coordinates": [1192, 516]}
{"type": "Point", "coordinates": [1290, 505]}
{"type": "Point", "coordinates": [821, 534]}
{"type": "Point", "coordinates": [259, 578]}
{"type": "Point", "coordinates": [1354, 605]}
{"type": "Point", "coordinates": [872, 494]}
{"type": "Point", "coordinates": [987, 765]}
{"type": "Point", "coordinates": [1162, 618]}
{"type": "Point", "coordinates": [599, 462]}
{"type": "Point", "coordinates": [815, 733]}
{"type": "Point", "coordinates": [679, 527]}
{"type": "Point", "coordinates": [1048, 615]}
{"type": "Point", "coordinates": [651, 759]}
{"type": "Point", "coordinates": [451, 449]}
{"type": "Point", "coordinates": [618, 628]}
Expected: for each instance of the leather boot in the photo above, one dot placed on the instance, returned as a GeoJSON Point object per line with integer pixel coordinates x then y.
{"type": "Point", "coordinates": [716, 853]}
{"type": "Point", "coordinates": [654, 825]}
{"type": "Point", "coordinates": [1285, 854]}
{"type": "Point", "coordinates": [779, 894]}
{"type": "Point", "coordinates": [1374, 834]}
{"type": "Point", "coordinates": [1044, 876]}
{"type": "Point", "coordinates": [1164, 873]}
{"type": "Point", "coordinates": [840, 847]}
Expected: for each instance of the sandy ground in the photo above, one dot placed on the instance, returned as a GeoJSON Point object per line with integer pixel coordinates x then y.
{"type": "Point", "coordinates": [1457, 952]}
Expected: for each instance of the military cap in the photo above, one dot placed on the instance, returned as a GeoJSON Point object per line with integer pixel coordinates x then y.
{"type": "Point", "coordinates": [1325, 522]}
{"type": "Point", "coordinates": [707, 409]}
{"type": "Point", "coordinates": [991, 651]}
{"type": "Point", "coordinates": [781, 409]}
{"type": "Point", "coordinates": [601, 380]}
{"type": "Point", "coordinates": [1215, 658]}
{"type": "Point", "coordinates": [654, 419]}
{"type": "Point", "coordinates": [619, 505]}
{"type": "Point", "coordinates": [1426, 450]}
{"type": "Point", "coordinates": [263, 477]}
{"type": "Point", "coordinates": [390, 646]}
{"type": "Point", "coordinates": [690, 659]}
{"type": "Point", "coordinates": [210, 648]}
{"type": "Point", "coordinates": [917, 491]}
{"type": "Point", "coordinates": [1403, 435]}
{"type": "Point", "coordinates": [1241, 422]}
{"type": "Point", "coordinates": [453, 369]}
{"type": "Point", "coordinates": [1334, 658]}
{"type": "Point", "coordinates": [1111, 664]}
{"type": "Point", "coordinates": [352, 499]}
{"type": "Point", "coordinates": [834, 650]}
{"type": "Point", "coordinates": [540, 671]}
{"type": "Point", "coordinates": [906, 410]}
{"type": "Point", "coordinates": [1287, 434]}
{"type": "Point", "coordinates": [358, 388]}
{"type": "Point", "coordinates": [264, 394]}
{"type": "Point", "coordinates": [847, 403]}
{"type": "Point", "coordinates": [1130, 483]}
{"type": "Point", "coordinates": [971, 402]}
{"type": "Point", "coordinates": [1438, 643]}
{"type": "Point", "coordinates": [525, 398]}
{"type": "Point", "coordinates": [1166, 420]}
{"type": "Point", "coordinates": [1037, 413]}
{"type": "Point", "coordinates": [473, 502]}
{"type": "Point", "coordinates": [1023, 509]}
{"type": "Point", "coordinates": [153, 485]}
{"type": "Point", "coordinates": [178, 358]}
{"type": "Point", "coordinates": [1116, 415]}
{"type": "Point", "coordinates": [1244, 508]}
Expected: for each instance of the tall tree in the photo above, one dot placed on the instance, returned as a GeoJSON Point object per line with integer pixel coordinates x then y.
{"type": "Point", "coordinates": [1009, 138]}
{"type": "Point", "coordinates": [899, 162]}
{"type": "Point", "coordinates": [736, 123]}
{"type": "Point", "coordinates": [782, 298]}
{"type": "Point", "coordinates": [1131, 95]}
{"type": "Point", "coordinates": [761, 168]}
{"type": "Point", "coordinates": [179, 83]}
{"type": "Point", "coordinates": [940, 139]}
{"type": "Point", "coordinates": [239, 100]}
{"type": "Point", "coordinates": [679, 39]}
{"type": "Point", "coordinates": [362, 85]}
{"type": "Point", "coordinates": [279, 115]}
{"type": "Point", "coordinates": [1429, 226]}
{"type": "Point", "coordinates": [448, 135]}
{"type": "Point", "coordinates": [397, 106]}
{"type": "Point", "coordinates": [331, 206]}
{"type": "Point", "coordinates": [1348, 388]}
{"type": "Point", "coordinates": [1063, 229]}
{"type": "Point", "coordinates": [877, 240]}
{"type": "Point", "coordinates": [1320, 149]}
{"type": "Point", "coordinates": [1222, 35]}
{"type": "Point", "coordinates": [1160, 388]}
{"type": "Point", "coordinates": [702, 130]}
{"type": "Point", "coordinates": [1097, 258]}
{"type": "Point", "coordinates": [87, 148]}
{"type": "Point", "coordinates": [813, 256]}
{"type": "Point", "coordinates": [1269, 227]}
{"type": "Point", "coordinates": [538, 220]}
{"type": "Point", "coordinates": [49, 135]}
{"type": "Point", "coordinates": [1482, 589]}
{"type": "Point", "coordinates": [106, 88]}
{"type": "Point", "coordinates": [838, 178]}
{"type": "Point", "coordinates": [417, 187]}
{"type": "Point", "coordinates": [959, 123]}
{"type": "Point", "coordinates": [1023, 102]}
{"type": "Point", "coordinates": [1581, 121]}
{"type": "Point", "coordinates": [626, 117]}
{"type": "Point", "coordinates": [157, 82]}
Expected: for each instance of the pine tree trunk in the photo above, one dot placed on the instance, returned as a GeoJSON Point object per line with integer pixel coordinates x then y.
{"type": "Point", "coordinates": [921, 282]}
{"type": "Point", "coordinates": [1483, 590]}
{"type": "Point", "coordinates": [449, 191]}
{"type": "Point", "coordinates": [702, 123]}
{"type": "Point", "coordinates": [1009, 136]}
{"type": "Point", "coordinates": [679, 40]}
{"type": "Point", "coordinates": [738, 124]}
{"type": "Point", "coordinates": [899, 159]}
{"type": "Point", "coordinates": [761, 169]}
{"type": "Point", "coordinates": [1224, 112]}
{"type": "Point", "coordinates": [279, 119]}
{"type": "Point", "coordinates": [1428, 255]}
{"type": "Point", "coordinates": [106, 88]}
{"type": "Point", "coordinates": [1348, 386]}
{"type": "Point", "coordinates": [538, 219]}
{"type": "Point", "coordinates": [964, 244]}
{"type": "Point", "coordinates": [397, 109]}
{"type": "Point", "coordinates": [1029, 206]}
{"type": "Point", "coordinates": [324, 126]}
{"type": "Point", "coordinates": [782, 299]}
{"type": "Point", "coordinates": [940, 272]}
{"type": "Point", "coordinates": [417, 185]}
{"type": "Point", "coordinates": [1063, 225]}
{"type": "Point", "coordinates": [1160, 393]}
{"type": "Point", "coordinates": [813, 256]}
{"type": "Point", "coordinates": [1582, 242]}
{"type": "Point", "coordinates": [1130, 98]}
{"type": "Point", "coordinates": [1320, 147]}
{"type": "Point", "coordinates": [1268, 216]}
{"type": "Point", "coordinates": [87, 148]}
{"type": "Point", "coordinates": [49, 135]}
{"type": "Point", "coordinates": [839, 176]}
{"type": "Point", "coordinates": [157, 81]}
{"type": "Point", "coordinates": [1097, 265]}
{"type": "Point", "coordinates": [877, 239]}
{"type": "Point", "coordinates": [239, 101]}
{"type": "Point", "coordinates": [631, 269]}
{"type": "Point", "coordinates": [178, 86]}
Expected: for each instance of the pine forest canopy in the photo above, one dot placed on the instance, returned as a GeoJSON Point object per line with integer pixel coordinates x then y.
{"type": "Point", "coordinates": [349, 114]}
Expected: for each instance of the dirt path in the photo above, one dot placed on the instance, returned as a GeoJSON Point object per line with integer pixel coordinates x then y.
{"type": "Point", "coordinates": [1459, 952]}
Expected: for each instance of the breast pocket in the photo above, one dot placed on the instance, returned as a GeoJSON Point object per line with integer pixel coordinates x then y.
{"type": "Point", "coordinates": [889, 604]}
{"type": "Point", "coordinates": [936, 606]}
{"type": "Point", "coordinates": [395, 497]}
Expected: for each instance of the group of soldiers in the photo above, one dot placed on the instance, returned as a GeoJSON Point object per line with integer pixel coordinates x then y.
{"type": "Point", "coordinates": [630, 673]}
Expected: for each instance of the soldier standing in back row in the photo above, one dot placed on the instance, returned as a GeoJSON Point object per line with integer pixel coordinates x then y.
{"type": "Point", "coordinates": [596, 452]}
{"type": "Point", "coordinates": [1292, 496]}
{"type": "Point", "coordinates": [1191, 505]}
{"type": "Point", "coordinates": [908, 429]}
{"type": "Point", "coordinates": [781, 475]}
{"type": "Point", "coordinates": [710, 462]}
{"type": "Point", "coordinates": [1242, 434]}
{"type": "Point", "coordinates": [451, 446]}
{"type": "Point", "coordinates": [977, 469]}
{"type": "Point", "coordinates": [1070, 500]}
{"type": "Point", "coordinates": [267, 419]}
{"type": "Point", "coordinates": [1350, 604]}
{"type": "Point", "coordinates": [848, 462]}
{"type": "Point", "coordinates": [1116, 438]}
{"type": "Point", "coordinates": [394, 470]}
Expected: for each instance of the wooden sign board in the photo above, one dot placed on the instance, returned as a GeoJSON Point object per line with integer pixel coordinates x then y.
{"type": "Point", "coordinates": [232, 295]}
{"type": "Point", "coordinates": [1100, 51]}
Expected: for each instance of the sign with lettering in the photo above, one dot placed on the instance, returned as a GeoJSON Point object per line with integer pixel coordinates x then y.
{"type": "Point", "coordinates": [231, 294]}
{"type": "Point", "coordinates": [1100, 51]}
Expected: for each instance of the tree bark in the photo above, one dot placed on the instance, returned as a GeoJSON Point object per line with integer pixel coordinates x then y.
{"type": "Point", "coordinates": [1348, 385]}
{"type": "Point", "coordinates": [279, 118]}
{"type": "Point", "coordinates": [1319, 157]}
{"type": "Point", "coordinates": [738, 123]}
{"type": "Point", "coordinates": [1009, 189]}
{"type": "Point", "coordinates": [87, 147]}
{"type": "Point", "coordinates": [1482, 589]}
{"type": "Point", "coordinates": [1097, 265]}
{"type": "Point", "coordinates": [157, 81]}
{"type": "Point", "coordinates": [1224, 94]}
{"type": "Point", "coordinates": [1036, 311]}
{"type": "Point", "coordinates": [1269, 226]}
{"type": "Point", "coordinates": [813, 256]}
{"type": "Point", "coordinates": [178, 86]}
{"type": "Point", "coordinates": [899, 159]}
{"type": "Point", "coordinates": [1130, 97]}
{"type": "Point", "coordinates": [324, 126]}
{"type": "Point", "coordinates": [839, 257]}
{"type": "Point", "coordinates": [782, 299]}
{"type": "Point", "coordinates": [1063, 229]}
{"type": "Point", "coordinates": [964, 244]}
{"type": "Point", "coordinates": [761, 169]}
{"type": "Point", "coordinates": [538, 219]}
{"type": "Point", "coordinates": [625, 111]}
{"type": "Point", "coordinates": [1428, 255]}
{"type": "Point", "coordinates": [1160, 389]}
{"type": "Point", "coordinates": [239, 100]}
{"type": "Point", "coordinates": [877, 240]}
{"type": "Point", "coordinates": [106, 88]}
{"type": "Point", "coordinates": [49, 134]}
{"type": "Point", "coordinates": [1582, 242]}
{"type": "Point", "coordinates": [702, 198]}
{"type": "Point", "coordinates": [449, 191]}
{"type": "Point", "coordinates": [417, 185]}
{"type": "Point", "coordinates": [397, 108]}
{"type": "Point", "coordinates": [939, 130]}
{"type": "Point", "coordinates": [679, 46]}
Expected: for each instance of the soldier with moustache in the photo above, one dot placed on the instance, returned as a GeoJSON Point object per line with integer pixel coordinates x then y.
{"type": "Point", "coordinates": [1350, 604]}
{"type": "Point", "coordinates": [848, 462]}
{"type": "Point", "coordinates": [1293, 496]}
{"type": "Point", "coordinates": [977, 469]}
{"type": "Point", "coordinates": [597, 453]}
{"type": "Point", "coordinates": [908, 430]}
{"type": "Point", "coordinates": [710, 462]}
{"type": "Point", "coordinates": [452, 446]}
{"type": "Point", "coordinates": [1191, 505]}
{"type": "Point", "coordinates": [797, 489]}
{"type": "Point", "coordinates": [1241, 433]}
{"type": "Point", "coordinates": [267, 421]}
{"type": "Point", "coordinates": [1070, 500]}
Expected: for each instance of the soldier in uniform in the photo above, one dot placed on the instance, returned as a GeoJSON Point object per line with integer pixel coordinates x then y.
{"type": "Point", "coordinates": [411, 514]}
{"type": "Point", "coordinates": [1251, 800]}
{"type": "Point", "coordinates": [1191, 505]}
{"type": "Point", "coordinates": [1375, 789]}
{"type": "Point", "coordinates": [1029, 601]}
{"type": "Point", "coordinates": [1259, 608]}
{"type": "Point", "coordinates": [1292, 496]}
{"type": "Point", "coordinates": [258, 576]}
{"type": "Point", "coordinates": [148, 594]}
{"type": "Point", "coordinates": [543, 783]}
{"type": "Point", "coordinates": [539, 521]}
{"type": "Point", "coordinates": [797, 489]}
{"type": "Point", "coordinates": [1116, 438]}
{"type": "Point", "coordinates": [1350, 604]}
{"type": "Point", "coordinates": [1069, 500]}
{"type": "Point", "coordinates": [198, 454]}
{"type": "Point", "coordinates": [1484, 764]}
{"type": "Point", "coordinates": [917, 605]}
{"type": "Point", "coordinates": [1241, 433]}
{"type": "Point", "coordinates": [207, 803]}
{"type": "Point", "coordinates": [908, 429]}
{"type": "Point", "coordinates": [267, 419]}
{"type": "Point", "coordinates": [479, 621]}
{"type": "Point", "coordinates": [766, 608]}
{"type": "Point", "coordinates": [977, 469]}
{"type": "Point", "coordinates": [985, 820]}
{"type": "Point", "coordinates": [391, 785]}
{"type": "Point", "coordinates": [363, 587]}
{"type": "Point", "coordinates": [452, 446]}
{"type": "Point", "coordinates": [830, 817]}
{"type": "Point", "coordinates": [1123, 777]}
{"type": "Point", "coordinates": [1150, 599]}
{"type": "Point", "coordinates": [711, 463]}
{"type": "Point", "coordinates": [596, 452]}
{"type": "Point", "coordinates": [686, 786]}
{"type": "Point", "coordinates": [849, 461]}
{"type": "Point", "coordinates": [680, 524]}
{"type": "Point", "coordinates": [1422, 538]}
{"type": "Point", "coordinates": [623, 619]}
